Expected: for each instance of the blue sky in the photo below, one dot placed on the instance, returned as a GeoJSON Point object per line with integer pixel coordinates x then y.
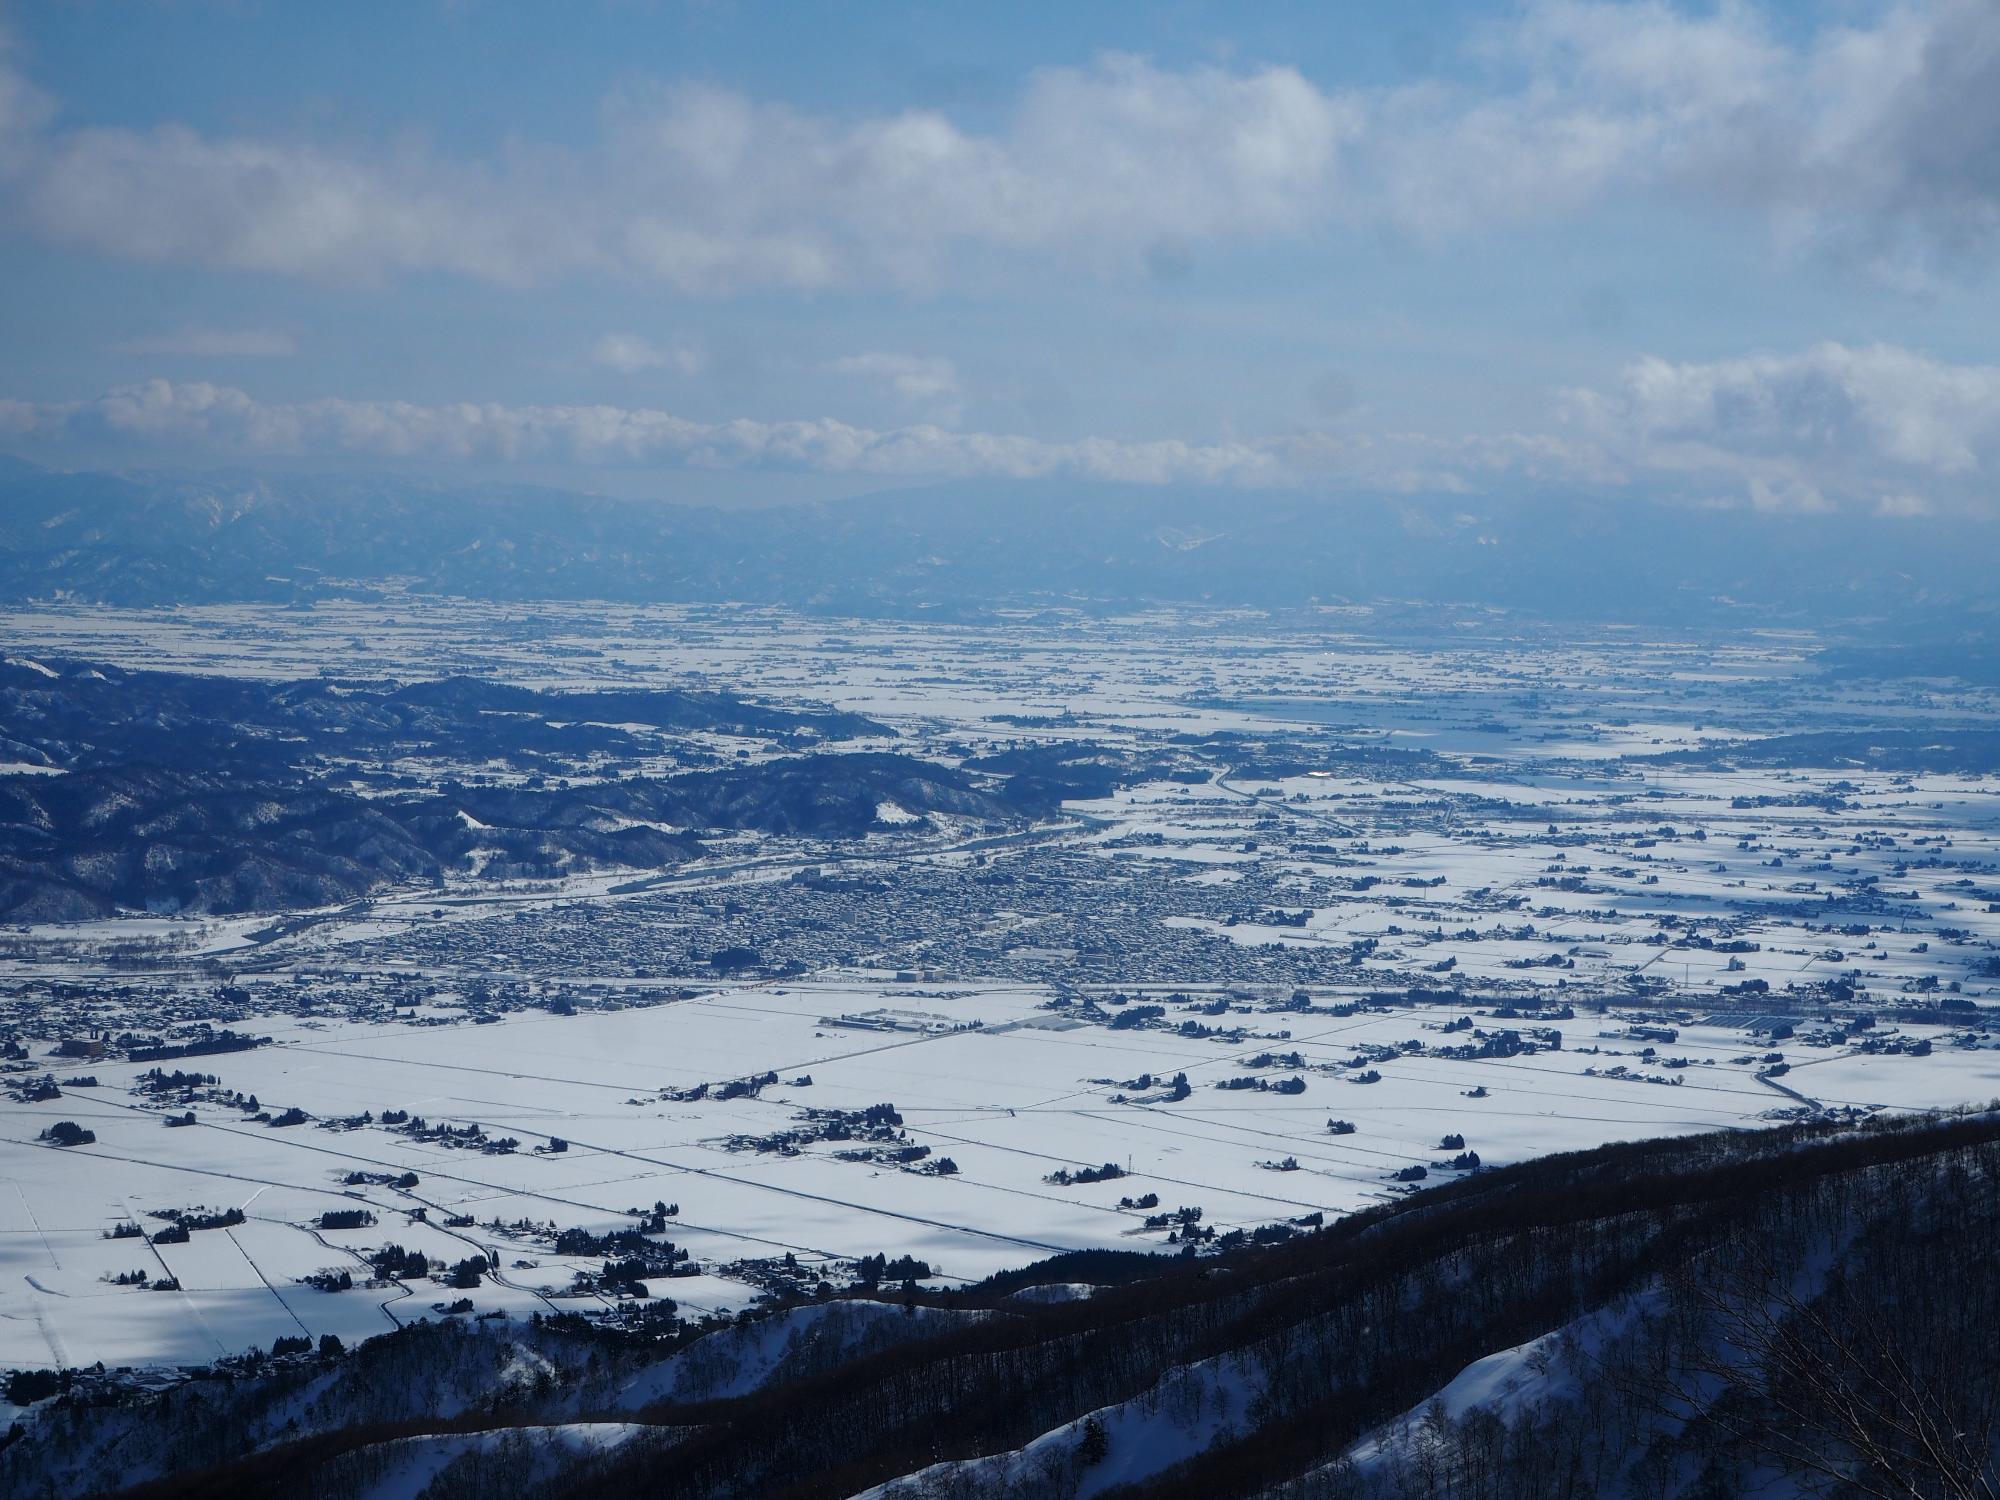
{"type": "Point", "coordinates": [1730, 255]}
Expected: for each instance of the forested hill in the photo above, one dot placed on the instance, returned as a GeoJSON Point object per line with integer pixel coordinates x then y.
{"type": "Point", "coordinates": [183, 792]}
{"type": "Point", "coordinates": [1803, 1310]}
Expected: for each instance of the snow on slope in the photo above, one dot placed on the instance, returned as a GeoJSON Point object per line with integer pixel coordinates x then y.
{"type": "Point", "coordinates": [743, 1359]}
{"type": "Point", "coordinates": [1184, 1413]}
{"type": "Point", "coordinates": [413, 1463]}
{"type": "Point", "coordinates": [1510, 1381]}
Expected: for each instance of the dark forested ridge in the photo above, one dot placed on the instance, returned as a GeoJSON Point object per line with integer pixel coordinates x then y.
{"type": "Point", "coordinates": [1713, 1315]}
{"type": "Point", "coordinates": [92, 843]}
{"type": "Point", "coordinates": [157, 791]}
{"type": "Point", "coordinates": [76, 715]}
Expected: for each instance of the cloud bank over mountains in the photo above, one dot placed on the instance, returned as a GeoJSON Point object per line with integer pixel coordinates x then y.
{"type": "Point", "coordinates": [1827, 428]}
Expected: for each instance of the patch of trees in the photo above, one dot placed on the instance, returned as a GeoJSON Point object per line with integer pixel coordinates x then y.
{"type": "Point", "coordinates": [347, 1218]}
{"type": "Point", "coordinates": [899, 1155]}
{"type": "Point", "coordinates": [467, 1273]}
{"type": "Point", "coordinates": [403, 1180]}
{"type": "Point", "coordinates": [26, 1387]}
{"type": "Point", "coordinates": [619, 1243]}
{"type": "Point", "coordinates": [199, 1218]}
{"type": "Point", "coordinates": [1504, 1043]}
{"type": "Point", "coordinates": [630, 1259]}
{"type": "Point", "coordinates": [655, 1222]}
{"type": "Point", "coordinates": [1292, 1085]}
{"type": "Point", "coordinates": [417, 1128]}
{"type": "Point", "coordinates": [1134, 1016]}
{"type": "Point", "coordinates": [394, 1263]}
{"type": "Point", "coordinates": [878, 1123]}
{"type": "Point", "coordinates": [221, 1041]}
{"type": "Point", "coordinates": [1269, 917]}
{"type": "Point", "coordinates": [734, 1088]}
{"type": "Point", "coordinates": [872, 1270]}
{"type": "Point", "coordinates": [68, 1133]}
{"type": "Point", "coordinates": [1064, 1177]}
{"type": "Point", "coordinates": [626, 1278]}
{"type": "Point", "coordinates": [159, 1081]}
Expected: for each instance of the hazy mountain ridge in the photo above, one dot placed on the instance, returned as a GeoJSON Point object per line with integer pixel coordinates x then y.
{"type": "Point", "coordinates": [967, 547]}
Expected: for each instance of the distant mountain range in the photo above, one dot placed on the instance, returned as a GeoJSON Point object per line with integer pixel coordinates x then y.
{"type": "Point", "coordinates": [963, 549]}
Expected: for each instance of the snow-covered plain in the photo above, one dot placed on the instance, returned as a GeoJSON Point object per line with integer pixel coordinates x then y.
{"type": "Point", "coordinates": [1527, 861]}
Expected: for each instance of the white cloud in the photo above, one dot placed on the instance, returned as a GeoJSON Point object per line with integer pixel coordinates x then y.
{"type": "Point", "coordinates": [629, 354]}
{"type": "Point", "coordinates": [917, 378]}
{"type": "Point", "coordinates": [1879, 140]}
{"type": "Point", "coordinates": [1829, 426]}
{"type": "Point", "coordinates": [1884, 137]}
{"type": "Point", "coordinates": [1904, 505]}
{"type": "Point", "coordinates": [215, 343]}
{"type": "Point", "coordinates": [707, 190]}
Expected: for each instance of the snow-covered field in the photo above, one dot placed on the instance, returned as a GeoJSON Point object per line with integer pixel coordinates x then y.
{"type": "Point", "coordinates": [1009, 1104]}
